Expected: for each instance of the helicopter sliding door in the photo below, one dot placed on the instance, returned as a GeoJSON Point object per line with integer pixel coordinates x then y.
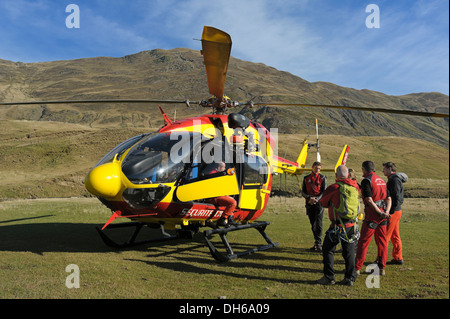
{"type": "Point", "coordinates": [254, 187]}
{"type": "Point", "coordinates": [211, 174]}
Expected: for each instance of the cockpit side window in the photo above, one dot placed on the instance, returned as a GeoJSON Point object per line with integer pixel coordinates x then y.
{"type": "Point", "coordinates": [150, 161]}
{"type": "Point", "coordinates": [255, 170]}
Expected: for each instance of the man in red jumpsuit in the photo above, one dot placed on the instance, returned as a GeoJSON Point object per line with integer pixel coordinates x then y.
{"type": "Point", "coordinates": [377, 203]}
{"type": "Point", "coordinates": [230, 203]}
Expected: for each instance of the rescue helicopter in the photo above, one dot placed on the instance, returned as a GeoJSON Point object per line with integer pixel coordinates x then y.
{"type": "Point", "coordinates": [166, 179]}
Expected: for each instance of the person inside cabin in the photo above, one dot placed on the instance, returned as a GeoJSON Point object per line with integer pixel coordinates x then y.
{"type": "Point", "coordinates": [227, 218]}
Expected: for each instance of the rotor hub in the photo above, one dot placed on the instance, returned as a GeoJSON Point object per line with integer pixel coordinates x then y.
{"type": "Point", "coordinates": [219, 106]}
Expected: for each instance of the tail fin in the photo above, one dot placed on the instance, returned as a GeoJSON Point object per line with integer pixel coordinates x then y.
{"type": "Point", "coordinates": [343, 158]}
{"type": "Point", "coordinates": [301, 160]}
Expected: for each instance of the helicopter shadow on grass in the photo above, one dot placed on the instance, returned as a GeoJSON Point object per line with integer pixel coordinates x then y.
{"type": "Point", "coordinates": [197, 260]}
{"type": "Point", "coordinates": [193, 256]}
{"type": "Point", "coordinates": [50, 237]}
{"type": "Point", "coordinates": [188, 255]}
{"type": "Point", "coordinates": [43, 236]}
{"type": "Point", "coordinates": [202, 266]}
{"type": "Point", "coordinates": [292, 253]}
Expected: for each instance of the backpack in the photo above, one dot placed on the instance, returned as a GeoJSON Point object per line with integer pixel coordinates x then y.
{"type": "Point", "coordinates": [403, 177]}
{"type": "Point", "coordinates": [349, 202]}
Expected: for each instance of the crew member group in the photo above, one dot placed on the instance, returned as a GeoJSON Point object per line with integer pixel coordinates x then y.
{"type": "Point", "coordinates": [382, 212]}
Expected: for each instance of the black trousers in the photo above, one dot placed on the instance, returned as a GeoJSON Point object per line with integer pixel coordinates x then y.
{"type": "Point", "coordinates": [315, 214]}
{"type": "Point", "coordinates": [332, 238]}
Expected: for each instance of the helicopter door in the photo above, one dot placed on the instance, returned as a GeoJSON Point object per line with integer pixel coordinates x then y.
{"type": "Point", "coordinates": [209, 176]}
{"type": "Point", "coordinates": [254, 187]}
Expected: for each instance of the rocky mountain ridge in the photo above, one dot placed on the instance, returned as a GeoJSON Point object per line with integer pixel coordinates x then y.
{"type": "Point", "coordinates": [180, 74]}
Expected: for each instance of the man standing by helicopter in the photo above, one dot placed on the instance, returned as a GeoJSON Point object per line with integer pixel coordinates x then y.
{"type": "Point", "coordinates": [313, 187]}
{"type": "Point", "coordinates": [377, 205]}
{"type": "Point", "coordinates": [395, 187]}
{"type": "Point", "coordinates": [342, 201]}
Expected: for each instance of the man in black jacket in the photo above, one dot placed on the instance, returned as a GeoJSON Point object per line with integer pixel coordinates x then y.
{"type": "Point", "coordinates": [395, 187]}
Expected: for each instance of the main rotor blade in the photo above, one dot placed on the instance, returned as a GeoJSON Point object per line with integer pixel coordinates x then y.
{"type": "Point", "coordinates": [216, 48]}
{"type": "Point", "coordinates": [359, 108]}
{"type": "Point", "coordinates": [98, 101]}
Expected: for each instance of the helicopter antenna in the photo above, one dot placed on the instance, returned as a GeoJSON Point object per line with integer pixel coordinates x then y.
{"type": "Point", "coordinates": [317, 141]}
{"type": "Point", "coordinates": [167, 120]}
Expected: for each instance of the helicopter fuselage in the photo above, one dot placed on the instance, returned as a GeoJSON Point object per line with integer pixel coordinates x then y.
{"type": "Point", "coordinates": [169, 176]}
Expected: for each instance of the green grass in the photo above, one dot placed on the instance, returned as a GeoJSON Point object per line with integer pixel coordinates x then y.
{"type": "Point", "coordinates": [39, 238]}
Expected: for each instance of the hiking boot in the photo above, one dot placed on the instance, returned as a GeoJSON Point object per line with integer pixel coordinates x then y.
{"type": "Point", "coordinates": [346, 282]}
{"type": "Point", "coordinates": [222, 221]}
{"type": "Point", "coordinates": [395, 262]}
{"type": "Point", "coordinates": [231, 221]}
{"type": "Point", "coordinates": [325, 281]}
{"type": "Point", "coordinates": [317, 248]}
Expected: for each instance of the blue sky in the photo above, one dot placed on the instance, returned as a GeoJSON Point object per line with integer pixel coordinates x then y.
{"type": "Point", "coordinates": [318, 40]}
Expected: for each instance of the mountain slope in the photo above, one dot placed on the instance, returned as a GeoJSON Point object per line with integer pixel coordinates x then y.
{"type": "Point", "coordinates": [180, 74]}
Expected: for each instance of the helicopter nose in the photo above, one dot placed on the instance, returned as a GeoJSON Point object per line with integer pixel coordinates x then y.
{"type": "Point", "coordinates": [104, 180]}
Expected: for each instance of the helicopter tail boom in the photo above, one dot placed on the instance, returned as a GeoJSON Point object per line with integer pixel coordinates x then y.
{"type": "Point", "coordinates": [282, 165]}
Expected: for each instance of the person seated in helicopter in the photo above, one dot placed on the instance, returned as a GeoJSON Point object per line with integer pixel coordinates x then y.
{"type": "Point", "coordinates": [214, 168]}
{"type": "Point", "coordinates": [230, 203]}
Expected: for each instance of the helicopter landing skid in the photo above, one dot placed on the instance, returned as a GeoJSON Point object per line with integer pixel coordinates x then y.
{"type": "Point", "coordinates": [132, 241]}
{"type": "Point", "coordinates": [260, 226]}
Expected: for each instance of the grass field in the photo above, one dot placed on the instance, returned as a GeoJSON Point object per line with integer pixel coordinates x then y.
{"type": "Point", "coordinates": [39, 238]}
{"type": "Point", "coordinates": [41, 235]}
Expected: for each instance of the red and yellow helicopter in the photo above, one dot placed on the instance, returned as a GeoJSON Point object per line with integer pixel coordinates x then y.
{"type": "Point", "coordinates": [164, 179]}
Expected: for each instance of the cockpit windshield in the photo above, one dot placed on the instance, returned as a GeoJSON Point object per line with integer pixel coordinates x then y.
{"type": "Point", "coordinates": [150, 160]}
{"type": "Point", "coordinates": [120, 149]}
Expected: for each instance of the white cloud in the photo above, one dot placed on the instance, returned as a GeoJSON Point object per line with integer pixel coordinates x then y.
{"type": "Point", "coordinates": [260, 30]}
{"type": "Point", "coordinates": [110, 36]}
